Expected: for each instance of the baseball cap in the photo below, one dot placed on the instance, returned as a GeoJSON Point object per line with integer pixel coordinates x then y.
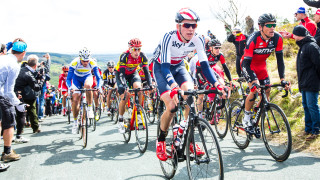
{"type": "Point", "coordinates": [19, 46]}
{"type": "Point", "coordinates": [318, 12]}
{"type": "Point", "coordinates": [301, 10]}
{"type": "Point", "coordinates": [300, 31]}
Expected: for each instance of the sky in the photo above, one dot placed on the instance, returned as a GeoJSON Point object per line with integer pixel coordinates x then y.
{"type": "Point", "coordinates": [66, 26]}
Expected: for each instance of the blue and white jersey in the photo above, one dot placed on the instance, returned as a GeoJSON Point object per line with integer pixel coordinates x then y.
{"type": "Point", "coordinates": [80, 70]}
{"type": "Point", "coordinates": [172, 49]}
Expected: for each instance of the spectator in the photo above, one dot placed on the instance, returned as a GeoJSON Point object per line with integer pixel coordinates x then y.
{"type": "Point", "coordinates": [48, 98]}
{"type": "Point", "coordinates": [9, 71]}
{"type": "Point", "coordinates": [29, 82]}
{"type": "Point", "coordinates": [239, 40]}
{"type": "Point", "coordinates": [315, 4]}
{"type": "Point", "coordinates": [316, 19]}
{"type": "Point", "coordinates": [305, 21]}
{"type": "Point", "coordinates": [44, 69]}
{"type": "Point", "coordinates": [308, 66]}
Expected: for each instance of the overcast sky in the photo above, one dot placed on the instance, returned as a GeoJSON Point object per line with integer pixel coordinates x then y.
{"type": "Point", "coordinates": [65, 26]}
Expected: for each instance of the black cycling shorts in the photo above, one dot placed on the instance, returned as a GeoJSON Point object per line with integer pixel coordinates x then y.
{"type": "Point", "coordinates": [132, 78]}
{"type": "Point", "coordinates": [8, 114]}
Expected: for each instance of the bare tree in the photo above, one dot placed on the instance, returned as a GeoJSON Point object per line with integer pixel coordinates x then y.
{"type": "Point", "coordinates": [229, 12]}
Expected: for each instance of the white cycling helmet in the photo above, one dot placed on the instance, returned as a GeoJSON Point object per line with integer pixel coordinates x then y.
{"type": "Point", "coordinates": [84, 54]}
{"type": "Point", "coordinates": [186, 14]}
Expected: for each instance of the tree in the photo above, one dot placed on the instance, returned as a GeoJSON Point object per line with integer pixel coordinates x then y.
{"type": "Point", "coordinates": [229, 12]}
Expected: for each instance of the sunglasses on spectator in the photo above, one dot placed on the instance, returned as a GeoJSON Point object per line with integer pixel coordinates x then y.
{"type": "Point", "coordinates": [136, 49]}
{"type": "Point", "coordinates": [270, 25]}
{"type": "Point", "coordinates": [187, 25]}
{"type": "Point", "coordinates": [217, 47]}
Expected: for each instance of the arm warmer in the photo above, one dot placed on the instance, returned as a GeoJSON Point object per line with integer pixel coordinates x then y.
{"type": "Point", "coordinates": [69, 77]}
{"type": "Point", "coordinates": [226, 71]}
{"type": "Point", "coordinates": [147, 74]}
{"type": "Point", "coordinates": [165, 70]}
{"type": "Point", "coordinates": [280, 63]}
{"type": "Point", "coordinates": [208, 72]}
{"type": "Point", "coordinates": [98, 77]}
{"type": "Point", "coordinates": [248, 73]}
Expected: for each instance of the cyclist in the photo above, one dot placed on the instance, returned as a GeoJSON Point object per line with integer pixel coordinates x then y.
{"type": "Point", "coordinates": [95, 93]}
{"type": "Point", "coordinates": [214, 56]}
{"type": "Point", "coordinates": [126, 72]}
{"type": "Point", "coordinates": [63, 88]}
{"type": "Point", "coordinates": [80, 74]}
{"type": "Point", "coordinates": [239, 40]}
{"type": "Point", "coordinates": [254, 68]}
{"type": "Point", "coordinates": [109, 78]}
{"type": "Point", "coordinates": [170, 72]}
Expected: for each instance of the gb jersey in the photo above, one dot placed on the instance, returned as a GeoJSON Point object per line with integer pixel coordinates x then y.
{"type": "Point", "coordinates": [79, 69]}
{"type": "Point", "coordinates": [173, 50]}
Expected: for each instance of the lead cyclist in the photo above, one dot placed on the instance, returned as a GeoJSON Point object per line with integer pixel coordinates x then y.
{"type": "Point", "coordinates": [170, 72]}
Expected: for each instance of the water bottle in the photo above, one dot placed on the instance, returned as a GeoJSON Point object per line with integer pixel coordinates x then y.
{"type": "Point", "coordinates": [175, 133]}
{"type": "Point", "coordinates": [150, 104]}
{"type": "Point", "coordinates": [180, 133]}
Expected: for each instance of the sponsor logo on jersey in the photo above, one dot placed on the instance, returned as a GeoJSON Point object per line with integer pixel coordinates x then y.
{"type": "Point", "coordinates": [83, 70]}
{"type": "Point", "coordinates": [191, 45]}
{"type": "Point", "coordinates": [264, 51]}
{"type": "Point", "coordinates": [74, 63]}
{"type": "Point", "coordinates": [176, 44]}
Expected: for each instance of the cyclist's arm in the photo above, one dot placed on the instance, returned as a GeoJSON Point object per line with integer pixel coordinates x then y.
{"type": "Point", "coordinates": [279, 55]}
{"type": "Point", "coordinates": [231, 38]}
{"type": "Point", "coordinates": [69, 77]}
{"type": "Point", "coordinates": [165, 57]}
{"type": "Point", "coordinates": [246, 69]}
{"type": "Point", "coordinates": [313, 3]}
{"type": "Point", "coordinates": [145, 68]}
{"type": "Point", "coordinates": [207, 71]}
{"type": "Point", "coordinates": [98, 76]}
{"type": "Point", "coordinates": [122, 68]}
{"type": "Point", "coordinates": [225, 68]}
{"type": "Point", "coordinates": [60, 82]}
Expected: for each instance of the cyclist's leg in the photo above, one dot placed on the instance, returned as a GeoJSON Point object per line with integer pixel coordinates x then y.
{"type": "Point", "coordinates": [122, 93]}
{"type": "Point", "coordinates": [87, 85]}
{"type": "Point", "coordinates": [95, 98]}
{"type": "Point", "coordinates": [108, 99]}
{"type": "Point", "coordinates": [135, 82]}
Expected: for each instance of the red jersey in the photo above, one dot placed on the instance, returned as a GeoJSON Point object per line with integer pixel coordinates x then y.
{"type": "Point", "coordinates": [62, 82]}
{"type": "Point", "coordinates": [258, 50]}
{"type": "Point", "coordinates": [129, 63]}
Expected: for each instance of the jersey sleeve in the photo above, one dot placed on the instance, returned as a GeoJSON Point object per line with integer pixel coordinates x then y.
{"type": "Point", "coordinates": [248, 51]}
{"type": "Point", "coordinates": [165, 56]}
{"type": "Point", "coordinates": [144, 60]}
{"type": "Point", "coordinates": [279, 44]}
{"type": "Point", "coordinates": [222, 59]}
{"type": "Point", "coordinates": [200, 44]}
{"type": "Point", "coordinates": [60, 81]}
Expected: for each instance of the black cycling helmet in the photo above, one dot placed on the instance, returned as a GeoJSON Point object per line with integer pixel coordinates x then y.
{"type": "Point", "coordinates": [214, 42]}
{"type": "Point", "coordinates": [186, 14]}
{"type": "Point", "coordinates": [110, 64]}
{"type": "Point", "coordinates": [264, 18]}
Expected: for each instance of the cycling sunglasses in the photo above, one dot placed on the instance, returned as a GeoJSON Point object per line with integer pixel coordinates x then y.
{"type": "Point", "coordinates": [187, 25]}
{"type": "Point", "coordinates": [65, 71]}
{"type": "Point", "coordinates": [217, 47]}
{"type": "Point", "coordinates": [136, 49]}
{"type": "Point", "coordinates": [111, 67]}
{"type": "Point", "coordinates": [270, 25]}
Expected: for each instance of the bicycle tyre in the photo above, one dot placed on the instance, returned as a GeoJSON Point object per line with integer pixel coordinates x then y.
{"type": "Point", "coordinates": [170, 166]}
{"type": "Point", "coordinates": [239, 136]}
{"type": "Point", "coordinates": [126, 120]}
{"type": "Point", "coordinates": [93, 121]}
{"type": "Point", "coordinates": [85, 127]}
{"type": "Point", "coordinates": [69, 110]}
{"type": "Point", "coordinates": [268, 140]}
{"type": "Point", "coordinates": [210, 145]}
{"type": "Point", "coordinates": [115, 110]}
{"type": "Point", "coordinates": [222, 125]}
{"type": "Point", "coordinates": [141, 138]}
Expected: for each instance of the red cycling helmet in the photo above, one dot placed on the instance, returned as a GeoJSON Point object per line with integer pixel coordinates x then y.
{"type": "Point", "coordinates": [135, 42]}
{"type": "Point", "coordinates": [65, 68]}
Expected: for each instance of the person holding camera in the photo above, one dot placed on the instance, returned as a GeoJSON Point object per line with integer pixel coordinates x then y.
{"type": "Point", "coordinates": [9, 71]}
{"type": "Point", "coordinates": [30, 82]}
{"type": "Point", "coordinates": [239, 40]}
{"type": "Point", "coordinates": [44, 70]}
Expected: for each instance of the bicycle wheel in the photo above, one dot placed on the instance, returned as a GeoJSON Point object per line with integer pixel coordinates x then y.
{"type": "Point", "coordinates": [221, 115]}
{"type": "Point", "coordinates": [239, 135]}
{"type": "Point", "coordinates": [115, 110]}
{"type": "Point", "coordinates": [68, 110]}
{"type": "Point", "coordinates": [169, 166]}
{"type": "Point", "coordinates": [209, 165]}
{"type": "Point", "coordinates": [100, 106]}
{"type": "Point", "coordinates": [141, 131]}
{"type": "Point", "coordinates": [126, 120]}
{"type": "Point", "coordinates": [93, 121]}
{"type": "Point", "coordinates": [276, 133]}
{"type": "Point", "coordinates": [84, 127]}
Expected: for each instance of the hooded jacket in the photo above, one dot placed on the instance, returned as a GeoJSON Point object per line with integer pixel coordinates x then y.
{"type": "Point", "coordinates": [308, 64]}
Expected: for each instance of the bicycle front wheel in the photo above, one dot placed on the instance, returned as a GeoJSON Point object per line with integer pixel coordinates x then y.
{"type": "Point", "coordinates": [221, 124]}
{"type": "Point", "coordinates": [126, 120]}
{"type": "Point", "coordinates": [68, 110]}
{"type": "Point", "coordinates": [276, 133]}
{"type": "Point", "coordinates": [115, 110]}
{"type": "Point", "coordinates": [141, 129]}
{"type": "Point", "coordinates": [169, 166]}
{"type": "Point", "coordinates": [206, 165]}
{"type": "Point", "coordinates": [84, 127]}
{"type": "Point", "coordinates": [239, 135]}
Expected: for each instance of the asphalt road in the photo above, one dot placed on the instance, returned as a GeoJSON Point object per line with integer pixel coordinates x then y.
{"type": "Point", "coordinates": [55, 153]}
